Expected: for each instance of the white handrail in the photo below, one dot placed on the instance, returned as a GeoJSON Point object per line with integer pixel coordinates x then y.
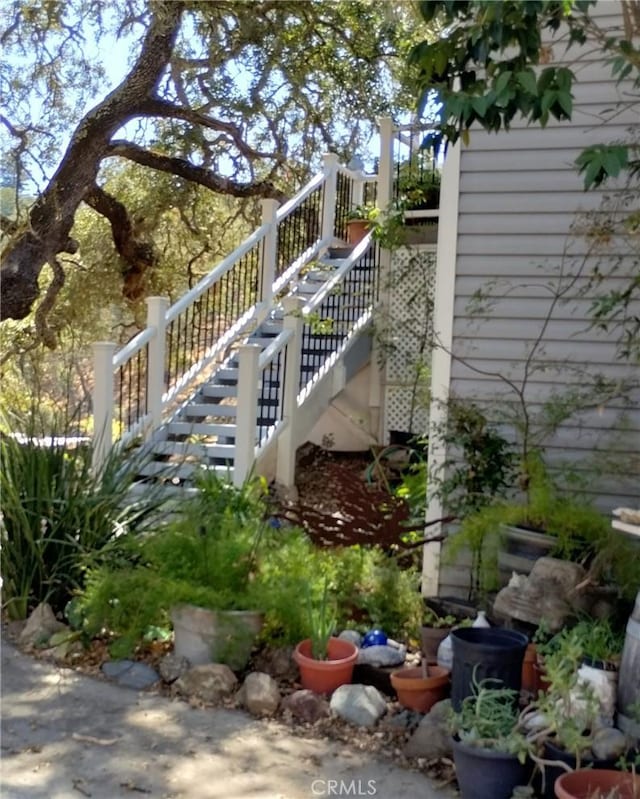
{"type": "Point", "coordinates": [212, 277]}
{"type": "Point", "coordinates": [132, 347]}
{"type": "Point", "coordinates": [276, 346]}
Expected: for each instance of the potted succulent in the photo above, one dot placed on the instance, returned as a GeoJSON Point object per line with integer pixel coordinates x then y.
{"type": "Point", "coordinates": [490, 748]}
{"type": "Point", "coordinates": [435, 628]}
{"type": "Point", "coordinates": [325, 661]}
{"type": "Point", "coordinates": [564, 719]}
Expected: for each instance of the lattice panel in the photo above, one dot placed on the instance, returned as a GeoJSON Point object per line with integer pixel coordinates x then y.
{"type": "Point", "coordinates": [410, 311]}
{"type": "Point", "coordinates": [398, 411]}
{"type": "Point", "coordinates": [409, 330]}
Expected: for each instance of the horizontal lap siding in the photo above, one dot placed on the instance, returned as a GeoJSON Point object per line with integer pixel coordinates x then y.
{"type": "Point", "coordinates": [519, 196]}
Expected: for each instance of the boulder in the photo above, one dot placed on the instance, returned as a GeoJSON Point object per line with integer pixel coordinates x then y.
{"type": "Point", "coordinates": [259, 694]}
{"type": "Point", "coordinates": [173, 666]}
{"type": "Point", "coordinates": [382, 656]}
{"type": "Point", "coordinates": [40, 626]}
{"type": "Point", "coordinates": [306, 706]}
{"type": "Point", "coordinates": [432, 738]}
{"type": "Point", "coordinates": [609, 743]}
{"type": "Point", "coordinates": [210, 682]}
{"type": "Point", "coordinates": [361, 705]}
{"type": "Point", "coordinates": [353, 636]}
{"type": "Point", "coordinates": [130, 674]}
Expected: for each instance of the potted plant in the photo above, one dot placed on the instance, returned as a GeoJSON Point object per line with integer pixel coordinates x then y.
{"type": "Point", "coordinates": [490, 748]}
{"type": "Point", "coordinates": [566, 714]}
{"type": "Point", "coordinates": [420, 687]}
{"type": "Point", "coordinates": [601, 784]}
{"type": "Point", "coordinates": [201, 569]}
{"type": "Point", "coordinates": [325, 662]}
{"type": "Point", "coordinates": [435, 628]}
{"type": "Point", "coordinates": [360, 220]}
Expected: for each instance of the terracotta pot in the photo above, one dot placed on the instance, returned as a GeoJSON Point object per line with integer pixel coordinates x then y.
{"type": "Point", "coordinates": [357, 229]}
{"type": "Point", "coordinates": [324, 676]}
{"type": "Point", "coordinates": [417, 692]}
{"type": "Point", "coordinates": [431, 638]}
{"type": "Point", "coordinates": [603, 784]}
{"type": "Point", "coordinates": [529, 675]}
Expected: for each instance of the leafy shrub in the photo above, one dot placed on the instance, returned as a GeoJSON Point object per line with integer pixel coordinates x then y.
{"type": "Point", "coordinates": [57, 515]}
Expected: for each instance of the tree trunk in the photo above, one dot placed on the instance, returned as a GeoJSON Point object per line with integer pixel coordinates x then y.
{"type": "Point", "coordinates": [51, 218]}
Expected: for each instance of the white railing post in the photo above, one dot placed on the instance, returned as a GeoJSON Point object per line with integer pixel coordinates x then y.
{"type": "Point", "coordinates": [103, 352]}
{"type": "Point", "coordinates": [156, 385]}
{"type": "Point", "coordinates": [247, 412]}
{"type": "Point", "coordinates": [385, 165]}
{"type": "Point", "coordinates": [287, 442]}
{"type": "Point", "coordinates": [269, 251]}
{"type": "Point", "coordinates": [330, 185]}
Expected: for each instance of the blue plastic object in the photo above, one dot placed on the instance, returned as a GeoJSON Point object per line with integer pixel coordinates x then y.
{"type": "Point", "coordinates": [374, 638]}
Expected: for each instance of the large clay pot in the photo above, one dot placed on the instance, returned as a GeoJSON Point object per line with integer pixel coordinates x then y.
{"type": "Point", "coordinates": [324, 676]}
{"type": "Point", "coordinates": [357, 229]}
{"type": "Point", "coordinates": [417, 692]}
{"type": "Point", "coordinates": [603, 784]}
{"type": "Point", "coordinates": [215, 636]}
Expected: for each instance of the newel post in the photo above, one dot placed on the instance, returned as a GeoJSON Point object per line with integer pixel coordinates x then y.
{"type": "Point", "coordinates": [330, 192]}
{"type": "Point", "coordinates": [385, 165]}
{"type": "Point", "coordinates": [269, 251]}
{"type": "Point", "coordinates": [103, 352]}
{"type": "Point", "coordinates": [287, 442]}
{"type": "Point", "coordinates": [247, 411]}
{"type": "Point", "coordinates": [156, 387]}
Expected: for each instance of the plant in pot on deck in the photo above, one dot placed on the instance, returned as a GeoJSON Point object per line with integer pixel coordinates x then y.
{"type": "Point", "coordinates": [325, 662]}
{"type": "Point", "coordinates": [490, 748]}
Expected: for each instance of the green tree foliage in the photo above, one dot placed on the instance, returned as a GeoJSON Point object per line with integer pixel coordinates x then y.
{"type": "Point", "coordinates": [242, 104]}
{"type": "Point", "coordinates": [493, 64]}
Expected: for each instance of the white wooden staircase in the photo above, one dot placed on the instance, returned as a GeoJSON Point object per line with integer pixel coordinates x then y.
{"type": "Point", "coordinates": [217, 380]}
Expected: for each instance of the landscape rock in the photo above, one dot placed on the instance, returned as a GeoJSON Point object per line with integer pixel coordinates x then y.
{"type": "Point", "coordinates": [277, 662]}
{"type": "Point", "coordinates": [432, 738]}
{"type": "Point", "coordinates": [173, 666]}
{"type": "Point", "coordinates": [130, 674]}
{"type": "Point", "coordinates": [259, 694]}
{"type": "Point", "coordinates": [306, 706]}
{"type": "Point", "coordinates": [67, 650]}
{"type": "Point", "coordinates": [40, 626]}
{"type": "Point", "coordinates": [361, 705]}
{"type": "Point", "coordinates": [382, 656]}
{"type": "Point", "coordinates": [353, 636]}
{"type": "Point", "coordinates": [609, 743]}
{"type": "Point", "coordinates": [210, 682]}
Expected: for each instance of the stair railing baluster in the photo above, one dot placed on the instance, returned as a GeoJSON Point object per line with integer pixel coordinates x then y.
{"type": "Point", "coordinates": [269, 251]}
{"type": "Point", "coordinates": [287, 442]}
{"type": "Point", "coordinates": [156, 318]}
{"type": "Point", "coordinates": [247, 410]}
{"type": "Point", "coordinates": [103, 352]}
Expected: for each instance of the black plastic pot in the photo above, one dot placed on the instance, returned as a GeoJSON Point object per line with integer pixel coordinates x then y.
{"type": "Point", "coordinates": [480, 653]}
{"type": "Point", "coordinates": [487, 773]}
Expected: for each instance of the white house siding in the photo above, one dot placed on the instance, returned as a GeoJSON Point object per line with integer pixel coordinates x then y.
{"type": "Point", "coordinates": [519, 196]}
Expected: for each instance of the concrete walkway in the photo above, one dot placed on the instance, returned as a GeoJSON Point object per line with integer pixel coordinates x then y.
{"type": "Point", "coordinates": [66, 736]}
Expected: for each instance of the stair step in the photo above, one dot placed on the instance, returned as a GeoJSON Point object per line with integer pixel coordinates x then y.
{"type": "Point", "coordinates": [218, 392]}
{"type": "Point", "coordinates": [226, 376]}
{"type": "Point", "coordinates": [175, 472]}
{"type": "Point", "coordinates": [200, 410]}
{"type": "Point", "coordinates": [200, 429]}
{"type": "Point", "coordinates": [186, 449]}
